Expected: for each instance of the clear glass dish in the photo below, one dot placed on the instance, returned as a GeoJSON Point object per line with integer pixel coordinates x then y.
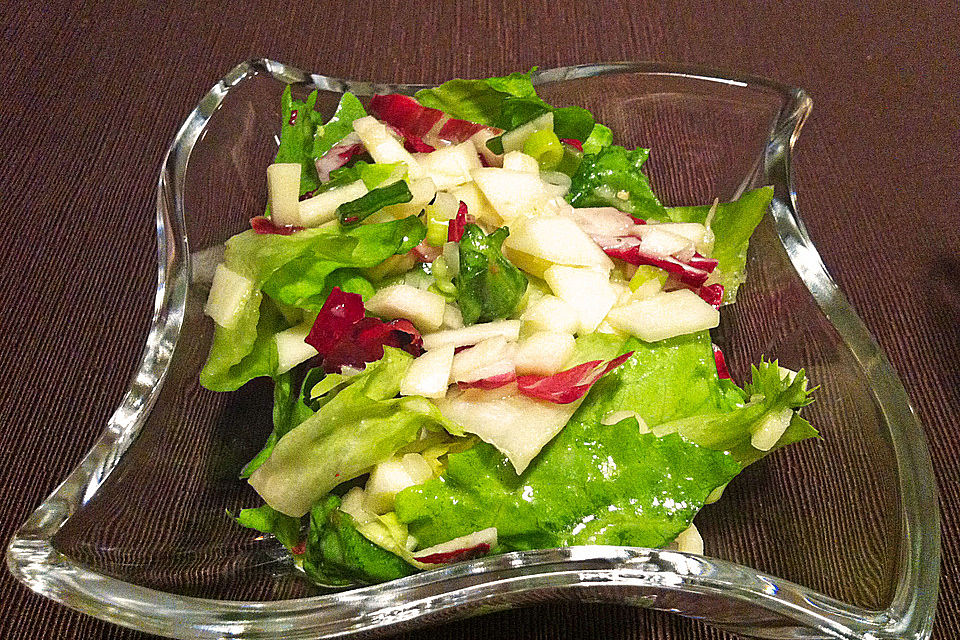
{"type": "Point", "coordinates": [836, 538]}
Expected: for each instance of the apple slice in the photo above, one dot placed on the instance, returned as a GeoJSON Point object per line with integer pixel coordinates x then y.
{"type": "Point", "coordinates": [387, 479]}
{"type": "Point", "coordinates": [512, 193]}
{"type": "Point", "coordinates": [450, 166]}
{"type": "Point", "coordinates": [487, 359]}
{"type": "Point", "coordinates": [384, 148]}
{"type": "Point", "coordinates": [322, 207]}
{"type": "Point", "coordinates": [228, 297]}
{"type": "Point", "coordinates": [665, 315]}
{"type": "Point", "coordinates": [551, 313]}
{"type": "Point", "coordinates": [429, 375]}
{"type": "Point", "coordinates": [283, 193]}
{"type": "Point", "coordinates": [517, 425]}
{"type": "Point", "coordinates": [534, 244]}
{"type": "Point", "coordinates": [588, 291]}
{"type": "Point", "coordinates": [424, 309]}
{"type": "Point", "coordinates": [543, 353]}
{"type": "Point", "coordinates": [291, 348]}
{"type": "Point", "coordinates": [509, 329]}
{"type": "Point", "coordinates": [519, 161]}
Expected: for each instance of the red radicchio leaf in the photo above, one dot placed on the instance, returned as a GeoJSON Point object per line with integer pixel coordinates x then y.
{"type": "Point", "coordinates": [573, 142]}
{"type": "Point", "coordinates": [447, 557]}
{"type": "Point", "coordinates": [493, 382]}
{"type": "Point", "coordinates": [425, 252]}
{"type": "Point", "coordinates": [700, 262]}
{"type": "Point", "coordinates": [342, 335]}
{"type": "Point", "coordinates": [456, 226]}
{"type": "Point", "coordinates": [570, 385]}
{"type": "Point", "coordinates": [404, 113]}
{"type": "Point", "coordinates": [456, 130]}
{"type": "Point", "coordinates": [722, 371]}
{"type": "Point", "coordinates": [414, 144]}
{"type": "Point", "coordinates": [637, 220]}
{"type": "Point", "coordinates": [634, 255]}
{"type": "Point", "coordinates": [712, 294]}
{"type": "Point", "coordinates": [339, 313]}
{"type": "Point", "coordinates": [338, 156]}
{"type": "Point", "coordinates": [263, 225]}
{"type": "Point", "coordinates": [300, 548]}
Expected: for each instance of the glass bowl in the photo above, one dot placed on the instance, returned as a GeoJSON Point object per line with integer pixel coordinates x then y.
{"type": "Point", "coordinates": [831, 538]}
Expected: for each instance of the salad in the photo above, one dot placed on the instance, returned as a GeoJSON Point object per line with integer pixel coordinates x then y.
{"type": "Point", "coordinates": [486, 334]}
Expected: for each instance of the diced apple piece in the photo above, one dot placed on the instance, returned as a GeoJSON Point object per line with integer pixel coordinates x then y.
{"type": "Point", "coordinates": [353, 504]}
{"type": "Point", "coordinates": [602, 221]}
{"type": "Point", "coordinates": [517, 425]}
{"type": "Point", "coordinates": [480, 139]}
{"type": "Point", "coordinates": [689, 541]}
{"type": "Point", "coordinates": [429, 374]}
{"type": "Point", "coordinates": [656, 240]}
{"type": "Point", "coordinates": [488, 358]}
{"type": "Point", "coordinates": [519, 161]}
{"type": "Point", "coordinates": [477, 204]}
{"type": "Point", "coordinates": [384, 148]}
{"type": "Point", "coordinates": [283, 193]}
{"type": "Point", "coordinates": [513, 140]}
{"type": "Point", "coordinates": [462, 548]}
{"type": "Point", "coordinates": [452, 317]}
{"type": "Point", "coordinates": [588, 291]}
{"type": "Point", "coordinates": [665, 315]}
{"type": "Point", "coordinates": [450, 166]}
{"type": "Point", "coordinates": [229, 294]}
{"type": "Point", "coordinates": [422, 192]}
{"type": "Point", "coordinates": [550, 313]}
{"type": "Point", "coordinates": [322, 207]}
{"type": "Point", "coordinates": [423, 308]}
{"type": "Point", "coordinates": [692, 231]}
{"type": "Point", "coordinates": [291, 348]}
{"type": "Point", "coordinates": [509, 329]}
{"type": "Point", "coordinates": [547, 240]}
{"type": "Point", "coordinates": [417, 468]}
{"type": "Point", "coordinates": [770, 429]}
{"type": "Point", "coordinates": [543, 353]}
{"type": "Point", "coordinates": [511, 193]}
{"type": "Point", "coordinates": [387, 479]}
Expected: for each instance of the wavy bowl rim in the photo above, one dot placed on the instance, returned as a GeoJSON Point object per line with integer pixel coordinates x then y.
{"type": "Point", "coordinates": [32, 558]}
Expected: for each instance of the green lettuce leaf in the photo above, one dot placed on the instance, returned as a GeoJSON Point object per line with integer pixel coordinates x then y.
{"type": "Point", "coordinates": [604, 177]}
{"type": "Point", "coordinates": [732, 225]}
{"type": "Point", "coordinates": [356, 211]}
{"type": "Point", "coordinates": [489, 287]}
{"type": "Point", "coordinates": [338, 555]}
{"type": "Point", "coordinates": [359, 427]}
{"type": "Point", "coordinates": [267, 520]}
{"type": "Point", "coordinates": [297, 270]}
{"type": "Point", "coordinates": [246, 351]}
{"type": "Point", "coordinates": [477, 100]}
{"type": "Point", "coordinates": [600, 137]}
{"type": "Point", "coordinates": [593, 484]}
{"type": "Point", "coordinates": [769, 392]}
{"type": "Point", "coordinates": [289, 410]}
{"type": "Point", "coordinates": [326, 136]}
{"type": "Point", "coordinates": [296, 137]}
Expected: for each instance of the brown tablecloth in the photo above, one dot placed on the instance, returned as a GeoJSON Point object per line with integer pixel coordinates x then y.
{"type": "Point", "coordinates": [93, 94]}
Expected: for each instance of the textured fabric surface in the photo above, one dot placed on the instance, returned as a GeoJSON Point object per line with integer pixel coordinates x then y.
{"type": "Point", "coordinates": [93, 93]}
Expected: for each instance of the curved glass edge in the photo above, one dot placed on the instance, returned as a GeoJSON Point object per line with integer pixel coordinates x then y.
{"type": "Point", "coordinates": [778, 607]}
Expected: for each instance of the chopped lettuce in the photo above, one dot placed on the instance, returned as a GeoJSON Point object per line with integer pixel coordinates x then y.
{"type": "Point", "coordinates": [593, 484]}
{"type": "Point", "coordinates": [489, 287]}
{"type": "Point", "coordinates": [326, 136]}
{"type": "Point", "coordinates": [361, 426]}
{"type": "Point", "coordinates": [732, 225]}
{"type": "Point", "coordinates": [338, 555]}
{"type": "Point", "coordinates": [769, 392]}
{"type": "Point", "coordinates": [297, 270]}
{"type": "Point", "coordinates": [265, 519]}
{"type": "Point", "coordinates": [614, 178]}
{"type": "Point", "coordinates": [477, 100]}
{"type": "Point", "coordinates": [296, 137]}
{"type": "Point", "coordinates": [289, 410]}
